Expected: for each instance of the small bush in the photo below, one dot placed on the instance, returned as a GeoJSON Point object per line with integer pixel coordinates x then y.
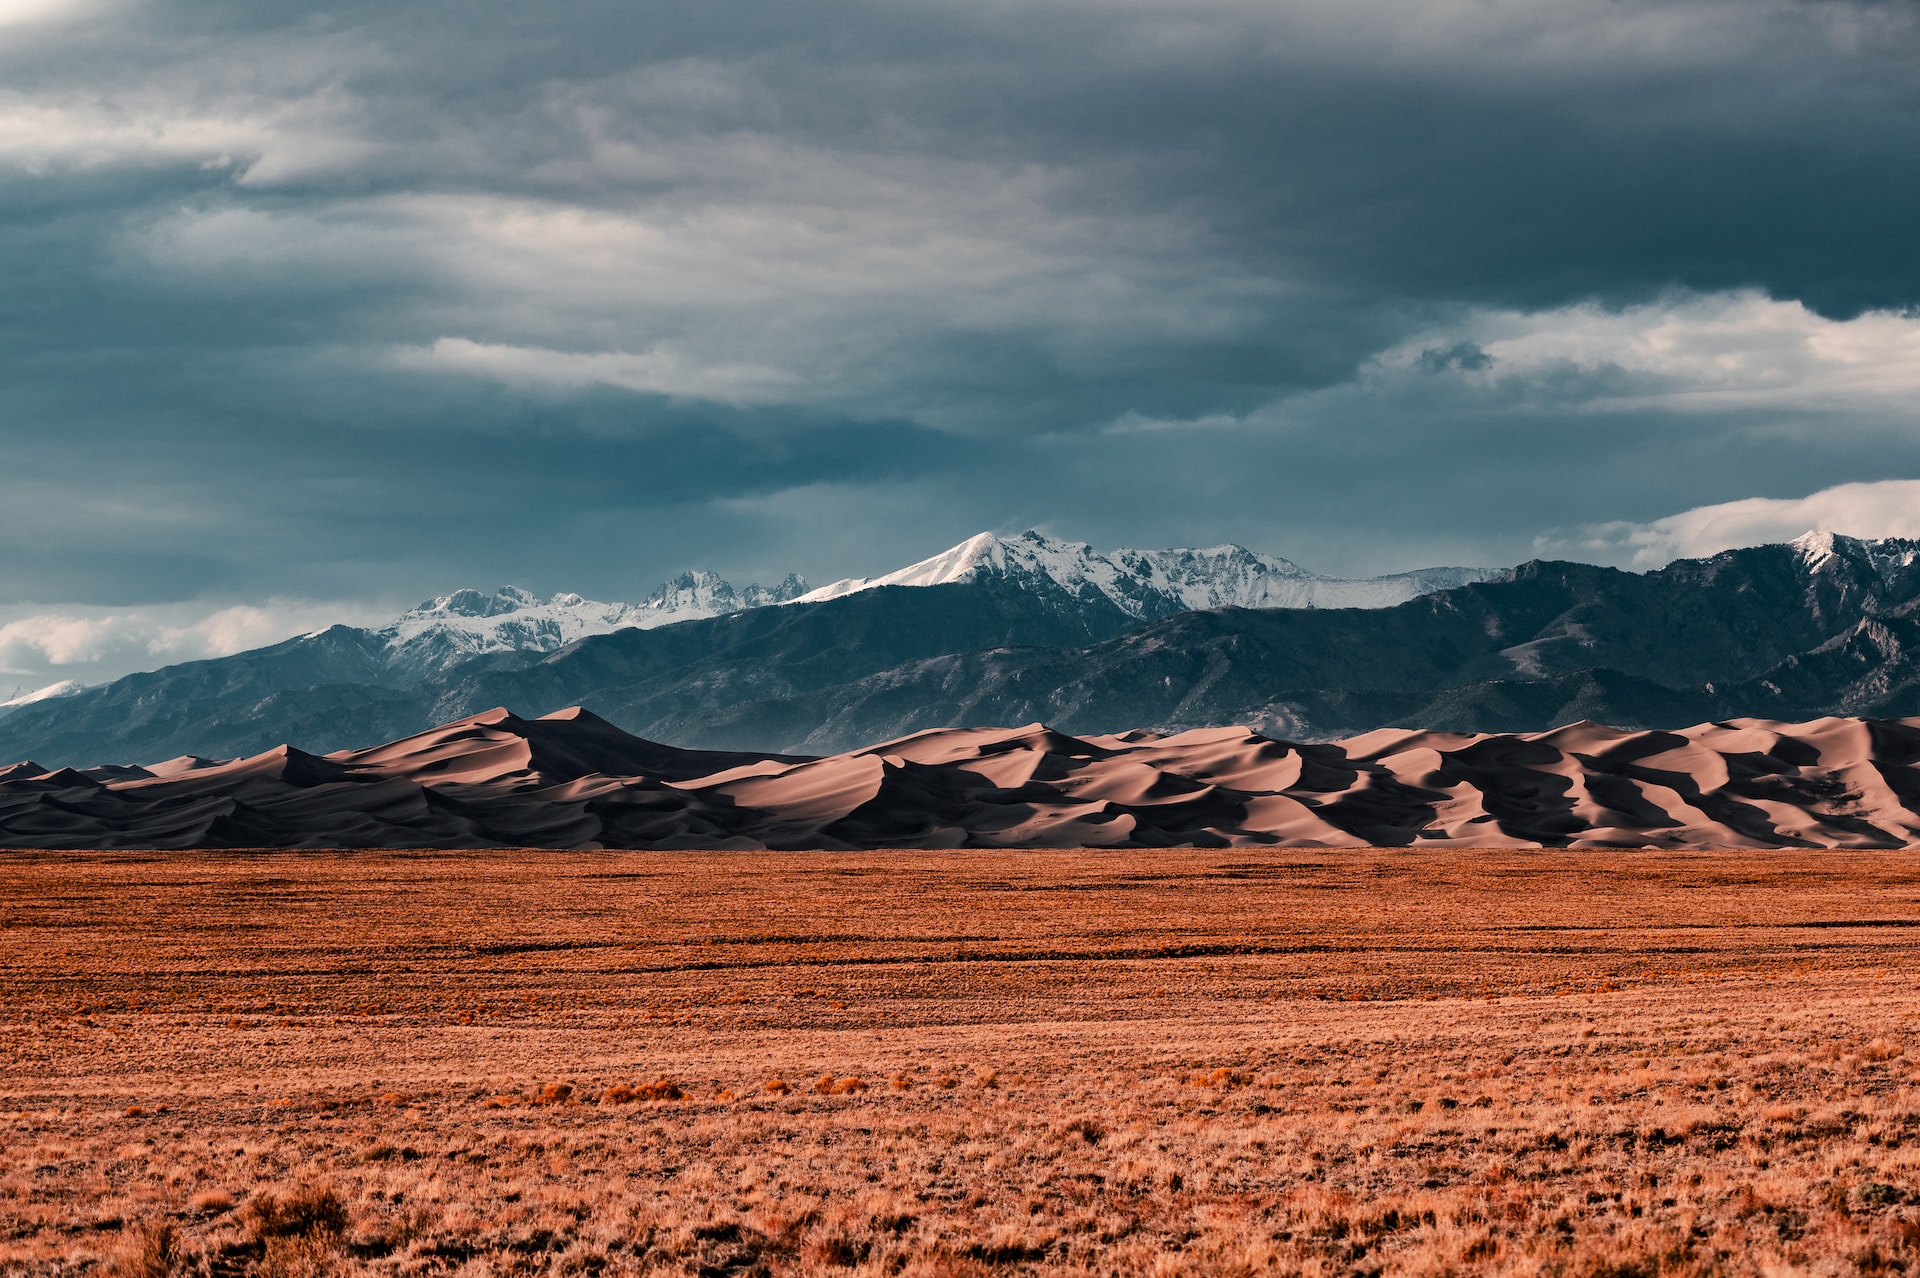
{"type": "Point", "coordinates": [211, 1202]}
{"type": "Point", "coordinates": [150, 1250]}
{"type": "Point", "coordinates": [1087, 1130]}
{"type": "Point", "coordinates": [828, 1085]}
{"type": "Point", "coordinates": [306, 1212]}
{"type": "Point", "coordinates": [1881, 1049]}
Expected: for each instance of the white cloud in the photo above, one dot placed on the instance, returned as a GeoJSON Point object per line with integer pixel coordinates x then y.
{"type": "Point", "coordinates": [663, 370]}
{"type": "Point", "coordinates": [16, 13]}
{"type": "Point", "coordinates": [1884, 508]}
{"type": "Point", "coordinates": [94, 644]}
{"type": "Point", "coordinates": [812, 289]}
{"type": "Point", "coordinates": [1691, 353]}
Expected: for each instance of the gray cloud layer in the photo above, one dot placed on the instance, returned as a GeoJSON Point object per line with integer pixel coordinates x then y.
{"type": "Point", "coordinates": [368, 301]}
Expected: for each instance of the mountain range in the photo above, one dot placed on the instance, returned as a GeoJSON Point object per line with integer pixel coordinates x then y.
{"type": "Point", "coordinates": [347, 684]}
{"type": "Point", "coordinates": [1002, 632]}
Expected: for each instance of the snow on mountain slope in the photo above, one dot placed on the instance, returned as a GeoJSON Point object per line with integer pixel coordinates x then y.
{"type": "Point", "coordinates": [65, 688]}
{"type": "Point", "coordinates": [1153, 583]}
{"type": "Point", "coordinates": [470, 623]}
{"type": "Point", "coordinates": [1888, 556]}
{"type": "Point", "coordinates": [450, 629]}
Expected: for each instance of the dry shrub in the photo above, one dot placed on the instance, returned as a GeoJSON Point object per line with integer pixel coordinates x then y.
{"type": "Point", "coordinates": [658, 1090]}
{"type": "Point", "coordinates": [1881, 1049]}
{"type": "Point", "coordinates": [836, 1251]}
{"type": "Point", "coordinates": [828, 1085]}
{"type": "Point", "coordinates": [210, 1202]}
{"type": "Point", "coordinates": [148, 1250]}
{"type": "Point", "coordinates": [778, 1086]}
{"type": "Point", "coordinates": [309, 1211]}
{"type": "Point", "coordinates": [1087, 1130]}
{"type": "Point", "coordinates": [554, 1094]}
{"type": "Point", "coordinates": [307, 1257]}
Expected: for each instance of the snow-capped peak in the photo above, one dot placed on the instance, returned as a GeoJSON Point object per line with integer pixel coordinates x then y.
{"type": "Point", "coordinates": [1155, 583]}
{"type": "Point", "coordinates": [1065, 562]}
{"type": "Point", "coordinates": [65, 688]}
{"type": "Point", "coordinates": [471, 623]}
{"type": "Point", "coordinates": [457, 627]}
{"type": "Point", "coordinates": [1816, 547]}
{"type": "Point", "coordinates": [1889, 558]}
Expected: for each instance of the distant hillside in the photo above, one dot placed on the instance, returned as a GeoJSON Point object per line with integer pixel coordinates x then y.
{"type": "Point", "coordinates": [1824, 625]}
{"type": "Point", "coordinates": [348, 685]}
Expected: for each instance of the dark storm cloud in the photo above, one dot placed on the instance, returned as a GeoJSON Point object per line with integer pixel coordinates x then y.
{"type": "Point", "coordinates": [353, 300]}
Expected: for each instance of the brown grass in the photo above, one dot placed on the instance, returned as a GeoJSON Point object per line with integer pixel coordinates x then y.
{"type": "Point", "coordinates": [1594, 1064]}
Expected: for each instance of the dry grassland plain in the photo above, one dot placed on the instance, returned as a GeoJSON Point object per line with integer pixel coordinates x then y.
{"type": "Point", "coordinates": [1176, 1062]}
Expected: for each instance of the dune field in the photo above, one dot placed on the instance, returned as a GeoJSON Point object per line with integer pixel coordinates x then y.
{"type": "Point", "coordinates": [1229, 1061]}
{"type": "Point", "coordinates": [572, 780]}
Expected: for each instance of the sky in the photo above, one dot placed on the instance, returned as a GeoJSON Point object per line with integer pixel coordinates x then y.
{"type": "Point", "coordinates": [309, 312]}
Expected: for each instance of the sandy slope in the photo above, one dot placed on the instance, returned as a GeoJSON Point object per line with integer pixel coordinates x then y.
{"type": "Point", "coordinates": [573, 780]}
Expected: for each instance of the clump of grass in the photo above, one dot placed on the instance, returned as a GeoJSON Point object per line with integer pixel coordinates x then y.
{"type": "Point", "coordinates": [1881, 1049]}
{"type": "Point", "coordinates": [1087, 1130]}
{"type": "Point", "coordinates": [307, 1211]}
{"type": "Point", "coordinates": [658, 1090]}
{"type": "Point", "coordinates": [210, 1202]}
{"type": "Point", "coordinates": [828, 1085]}
{"type": "Point", "coordinates": [148, 1250]}
{"type": "Point", "coordinates": [554, 1094]}
{"type": "Point", "coordinates": [777, 1087]}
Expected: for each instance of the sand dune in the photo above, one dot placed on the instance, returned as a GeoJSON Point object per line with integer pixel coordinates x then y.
{"type": "Point", "coordinates": [572, 780]}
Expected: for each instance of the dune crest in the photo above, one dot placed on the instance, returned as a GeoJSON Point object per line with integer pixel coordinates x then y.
{"type": "Point", "coordinates": [572, 780]}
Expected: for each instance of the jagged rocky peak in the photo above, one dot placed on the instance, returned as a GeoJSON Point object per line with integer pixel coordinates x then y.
{"type": "Point", "coordinates": [1889, 559]}
{"type": "Point", "coordinates": [702, 593]}
{"type": "Point", "coordinates": [698, 589]}
{"type": "Point", "coordinates": [475, 603]}
{"type": "Point", "coordinates": [1154, 583]}
{"type": "Point", "coordinates": [471, 623]}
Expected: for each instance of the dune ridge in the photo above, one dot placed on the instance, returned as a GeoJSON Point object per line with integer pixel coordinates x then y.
{"type": "Point", "coordinates": [572, 780]}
